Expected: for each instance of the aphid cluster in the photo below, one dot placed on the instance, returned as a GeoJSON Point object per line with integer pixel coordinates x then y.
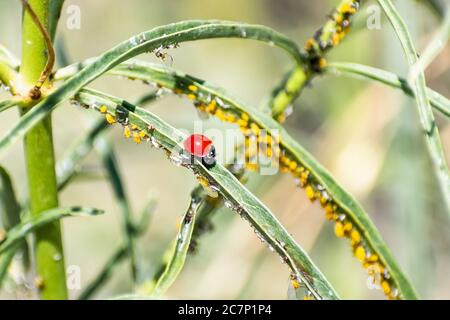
{"type": "Point", "coordinates": [121, 116]}
{"type": "Point", "coordinates": [344, 226]}
{"type": "Point", "coordinates": [331, 34]}
{"type": "Point", "coordinates": [214, 105]}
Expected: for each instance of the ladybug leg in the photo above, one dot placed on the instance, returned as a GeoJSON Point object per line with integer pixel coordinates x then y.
{"type": "Point", "coordinates": [187, 158]}
{"type": "Point", "coordinates": [209, 160]}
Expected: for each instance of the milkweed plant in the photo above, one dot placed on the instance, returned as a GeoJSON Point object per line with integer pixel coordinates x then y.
{"type": "Point", "coordinates": [257, 143]}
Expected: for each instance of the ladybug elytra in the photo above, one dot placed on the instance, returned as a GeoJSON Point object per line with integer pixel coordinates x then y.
{"type": "Point", "coordinates": [202, 148]}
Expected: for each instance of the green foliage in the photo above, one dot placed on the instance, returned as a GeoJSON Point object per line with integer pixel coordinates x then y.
{"type": "Point", "coordinates": [219, 186]}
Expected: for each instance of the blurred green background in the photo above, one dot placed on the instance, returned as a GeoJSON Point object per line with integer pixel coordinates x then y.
{"type": "Point", "coordinates": [366, 134]}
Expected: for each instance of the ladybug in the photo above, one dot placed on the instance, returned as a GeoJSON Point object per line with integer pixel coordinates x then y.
{"type": "Point", "coordinates": [200, 147]}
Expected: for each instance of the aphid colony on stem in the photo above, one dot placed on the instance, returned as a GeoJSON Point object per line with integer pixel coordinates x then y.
{"type": "Point", "coordinates": [344, 226]}
{"type": "Point", "coordinates": [331, 34]}
{"type": "Point", "coordinates": [214, 105]}
{"type": "Point", "coordinates": [195, 145]}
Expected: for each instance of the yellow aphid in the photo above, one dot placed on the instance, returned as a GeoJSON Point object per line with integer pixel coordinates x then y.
{"type": "Point", "coordinates": [134, 127]}
{"type": "Point", "coordinates": [242, 123]}
{"type": "Point", "coordinates": [284, 169]}
{"type": "Point", "coordinates": [192, 88]}
{"type": "Point", "coordinates": [201, 107]}
{"type": "Point", "coordinates": [360, 253]}
{"type": "Point", "coordinates": [355, 236]}
{"type": "Point", "coordinates": [142, 134]}
{"type": "Point", "coordinates": [103, 109]}
{"type": "Point", "coordinates": [339, 229]}
{"type": "Point", "coordinates": [219, 114]}
{"type": "Point", "coordinates": [308, 297]}
{"type": "Point", "coordinates": [323, 200]}
{"type": "Point", "coordinates": [346, 8]}
{"type": "Point", "coordinates": [202, 181]}
{"type": "Point", "coordinates": [244, 116]}
{"type": "Point", "coordinates": [136, 138]}
{"type": "Point", "coordinates": [329, 208]}
{"type": "Point", "coordinates": [245, 131]}
{"type": "Point", "coordinates": [252, 166]}
{"type": "Point", "coordinates": [348, 226]}
{"type": "Point", "coordinates": [39, 282]}
{"type": "Point", "coordinates": [309, 44]}
{"type": "Point", "coordinates": [110, 119]}
{"type": "Point", "coordinates": [373, 257]}
{"type": "Point", "coordinates": [281, 118]}
{"type": "Point", "coordinates": [386, 287]}
{"type": "Point", "coordinates": [295, 283]}
{"type": "Point", "coordinates": [211, 107]}
{"type": "Point", "coordinates": [255, 129]}
{"type": "Point", "coordinates": [126, 132]}
{"type": "Point", "coordinates": [331, 216]}
{"type": "Point", "coordinates": [191, 96]}
{"type": "Point", "coordinates": [310, 192]}
{"type": "Point", "coordinates": [293, 166]}
{"type": "Point", "coordinates": [322, 63]}
{"type": "Point", "coordinates": [285, 160]}
{"type": "Point", "coordinates": [304, 176]}
{"type": "Point", "coordinates": [335, 39]}
{"type": "Point", "coordinates": [231, 118]}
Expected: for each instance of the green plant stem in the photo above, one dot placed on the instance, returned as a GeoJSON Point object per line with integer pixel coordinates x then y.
{"type": "Point", "coordinates": [40, 161]}
{"type": "Point", "coordinates": [434, 48]}
{"type": "Point", "coordinates": [284, 95]}
{"type": "Point", "coordinates": [437, 101]}
{"type": "Point", "coordinates": [430, 129]}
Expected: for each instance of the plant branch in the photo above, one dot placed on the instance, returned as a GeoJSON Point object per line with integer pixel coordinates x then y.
{"type": "Point", "coordinates": [35, 92]}
{"type": "Point", "coordinates": [438, 101]}
{"type": "Point", "coordinates": [430, 129]}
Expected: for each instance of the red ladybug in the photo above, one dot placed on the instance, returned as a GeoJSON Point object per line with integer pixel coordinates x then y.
{"type": "Point", "coordinates": [201, 147]}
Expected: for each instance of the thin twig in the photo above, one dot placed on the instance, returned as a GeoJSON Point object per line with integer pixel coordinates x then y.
{"type": "Point", "coordinates": [35, 93]}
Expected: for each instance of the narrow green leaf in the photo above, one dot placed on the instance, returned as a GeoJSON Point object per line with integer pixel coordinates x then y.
{"type": "Point", "coordinates": [9, 206]}
{"type": "Point", "coordinates": [170, 79]}
{"type": "Point", "coordinates": [9, 217]}
{"type": "Point", "coordinates": [20, 231]}
{"type": "Point", "coordinates": [5, 261]}
{"type": "Point", "coordinates": [55, 7]}
{"type": "Point", "coordinates": [236, 195]}
{"type": "Point", "coordinates": [178, 254]}
{"type": "Point", "coordinates": [319, 178]}
{"type": "Point", "coordinates": [7, 57]}
{"type": "Point", "coordinates": [156, 39]}
{"type": "Point", "coordinates": [434, 47]}
{"type": "Point", "coordinates": [6, 104]}
{"type": "Point", "coordinates": [429, 126]}
{"type": "Point", "coordinates": [437, 101]}
{"type": "Point", "coordinates": [66, 168]}
{"type": "Point", "coordinates": [120, 254]}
